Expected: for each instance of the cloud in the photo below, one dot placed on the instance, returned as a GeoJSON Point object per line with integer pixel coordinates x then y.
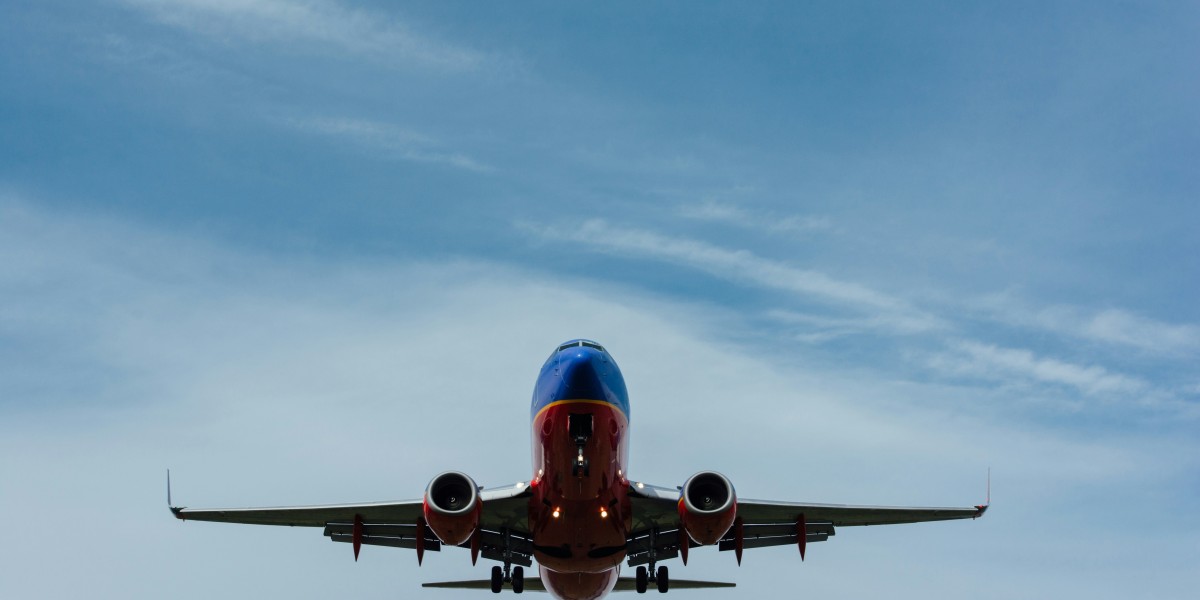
{"type": "Point", "coordinates": [745, 267]}
{"type": "Point", "coordinates": [732, 214]}
{"type": "Point", "coordinates": [1110, 326]}
{"type": "Point", "coordinates": [820, 328]}
{"type": "Point", "coordinates": [323, 23]}
{"type": "Point", "coordinates": [1123, 328]}
{"type": "Point", "coordinates": [994, 362]}
{"type": "Point", "coordinates": [385, 140]}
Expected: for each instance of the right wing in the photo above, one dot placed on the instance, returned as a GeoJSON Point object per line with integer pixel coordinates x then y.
{"type": "Point", "coordinates": [764, 523]}
{"type": "Point", "coordinates": [503, 522]}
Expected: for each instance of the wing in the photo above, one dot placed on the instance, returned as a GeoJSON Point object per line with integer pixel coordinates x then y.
{"type": "Point", "coordinates": [503, 522]}
{"type": "Point", "coordinates": [763, 523]}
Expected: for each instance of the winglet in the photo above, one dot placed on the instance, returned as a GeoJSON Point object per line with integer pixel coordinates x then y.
{"type": "Point", "coordinates": [982, 508]}
{"type": "Point", "coordinates": [174, 509]}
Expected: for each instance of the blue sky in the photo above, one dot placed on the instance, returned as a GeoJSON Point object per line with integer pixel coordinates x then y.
{"type": "Point", "coordinates": [308, 252]}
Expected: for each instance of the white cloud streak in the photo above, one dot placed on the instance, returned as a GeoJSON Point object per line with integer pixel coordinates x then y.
{"type": "Point", "coordinates": [1091, 380]}
{"type": "Point", "coordinates": [322, 23]}
{"type": "Point", "coordinates": [1110, 326]}
{"type": "Point", "coordinates": [1024, 368]}
{"type": "Point", "coordinates": [386, 141]}
{"type": "Point", "coordinates": [732, 214]}
{"type": "Point", "coordinates": [746, 267]}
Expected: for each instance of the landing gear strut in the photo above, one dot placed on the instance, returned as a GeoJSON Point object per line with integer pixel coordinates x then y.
{"type": "Point", "coordinates": [660, 576]}
{"type": "Point", "coordinates": [580, 429]}
{"type": "Point", "coordinates": [509, 574]}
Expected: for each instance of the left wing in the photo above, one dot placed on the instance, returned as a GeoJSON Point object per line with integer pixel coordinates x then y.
{"type": "Point", "coordinates": [503, 522]}
{"type": "Point", "coordinates": [764, 523]}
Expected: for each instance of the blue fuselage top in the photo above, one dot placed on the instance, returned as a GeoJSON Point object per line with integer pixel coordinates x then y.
{"type": "Point", "coordinates": [580, 370]}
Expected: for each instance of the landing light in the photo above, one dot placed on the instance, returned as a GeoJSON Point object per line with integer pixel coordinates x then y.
{"type": "Point", "coordinates": [556, 513]}
{"type": "Point", "coordinates": [641, 485]}
{"type": "Point", "coordinates": [603, 514]}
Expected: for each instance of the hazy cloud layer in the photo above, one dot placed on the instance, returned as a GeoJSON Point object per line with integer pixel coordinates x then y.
{"type": "Point", "coordinates": [324, 24]}
{"type": "Point", "coordinates": [266, 381]}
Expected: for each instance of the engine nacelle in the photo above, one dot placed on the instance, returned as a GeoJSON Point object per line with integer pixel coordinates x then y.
{"type": "Point", "coordinates": [452, 507]}
{"type": "Point", "coordinates": [707, 507]}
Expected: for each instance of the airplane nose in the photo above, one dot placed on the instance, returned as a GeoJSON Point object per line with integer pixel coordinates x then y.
{"type": "Point", "coordinates": [581, 378]}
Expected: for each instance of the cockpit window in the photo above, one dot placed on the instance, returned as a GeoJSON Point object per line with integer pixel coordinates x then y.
{"type": "Point", "coordinates": [583, 343]}
{"type": "Point", "coordinates": [592, 345]}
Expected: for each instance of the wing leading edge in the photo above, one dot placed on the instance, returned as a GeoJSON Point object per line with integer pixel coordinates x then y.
{"type": "Point", "coordinates": [503, 528]}
{"type": "Point", "coordinates": [765, 523]}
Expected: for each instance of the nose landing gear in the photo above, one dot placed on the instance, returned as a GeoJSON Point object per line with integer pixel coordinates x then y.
{"type": "Point", "coordinates": [579, 427]}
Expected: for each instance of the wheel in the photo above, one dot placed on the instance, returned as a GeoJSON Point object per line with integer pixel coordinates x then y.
{"type": "Point", "coordinates": [663, 581]}
{"type": "Point", "coordinates": [641, 580]}
{"type": "Point", "coordinates": [497, 579]}
{"type": "Point", "coordinates": [518, 579]}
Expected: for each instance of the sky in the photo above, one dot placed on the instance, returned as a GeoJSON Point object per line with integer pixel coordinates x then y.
{"type": "Point", "coordinates": [316, 251]}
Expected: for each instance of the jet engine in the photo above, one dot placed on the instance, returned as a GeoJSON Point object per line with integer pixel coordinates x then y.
{"type": "Point", "coordinates": [452, 507]}
{"type": "Point", "coordinates": [707, 507]}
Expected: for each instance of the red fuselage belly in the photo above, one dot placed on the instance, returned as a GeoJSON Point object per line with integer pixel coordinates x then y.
{"type": "Point", "coordinates": [589, 533]}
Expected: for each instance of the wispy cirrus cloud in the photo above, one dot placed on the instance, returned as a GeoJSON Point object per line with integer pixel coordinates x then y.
{"type": "Point", "coordinates": [1110, 326]}
{"type": "Point", "coordinates": [733, 214]}
{"type": "Point", "coordinates": [1121, 327]}
{"type": "Point", "coordinates": [387, 140]}
{"type": "Point", "coordinates": [745, 267]}
{"type": "Point", "coordinates": [320, 22]}
{"type": "Point", "coordinates": [988, 361]}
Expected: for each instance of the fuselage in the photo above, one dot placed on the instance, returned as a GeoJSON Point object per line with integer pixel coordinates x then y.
{"type": "Point", "coordinates": [579, 512]}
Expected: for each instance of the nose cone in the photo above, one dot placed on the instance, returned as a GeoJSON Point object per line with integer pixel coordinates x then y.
{"type": "Point", "coordinates": [582, 372]}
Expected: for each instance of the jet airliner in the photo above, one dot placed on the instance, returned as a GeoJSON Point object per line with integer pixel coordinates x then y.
{"type": "Point", "coordinates": [580, 516]}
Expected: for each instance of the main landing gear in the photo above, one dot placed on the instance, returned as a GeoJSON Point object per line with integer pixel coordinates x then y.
{"type": "Point", "coordinates": [503, 576]}
{"type": "Point", "coordinates": [660, 578]}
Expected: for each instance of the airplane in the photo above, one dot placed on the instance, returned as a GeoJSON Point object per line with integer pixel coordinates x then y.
{"type": "Point", "coordinates": [580, 516]}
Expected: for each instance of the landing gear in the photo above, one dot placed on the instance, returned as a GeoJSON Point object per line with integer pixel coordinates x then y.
{"type": "Point", "coordinates": [579, 427]}
{"type": "Point", "coordinates": [660, 578]}
{"type": "Point", "coordinates": [518, 580]}
{"type": "Point", "coordinates": [497, 579]}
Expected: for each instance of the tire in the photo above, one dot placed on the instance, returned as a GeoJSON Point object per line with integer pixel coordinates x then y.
{"type": "Point", "coordinates": [663, 580]}
{"type": "Point", "coordinates": [497, 579]}
{"type": "Point", "coordinates": [518, 580]}
{"type": "Point", "coordinates": [641, 580]}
